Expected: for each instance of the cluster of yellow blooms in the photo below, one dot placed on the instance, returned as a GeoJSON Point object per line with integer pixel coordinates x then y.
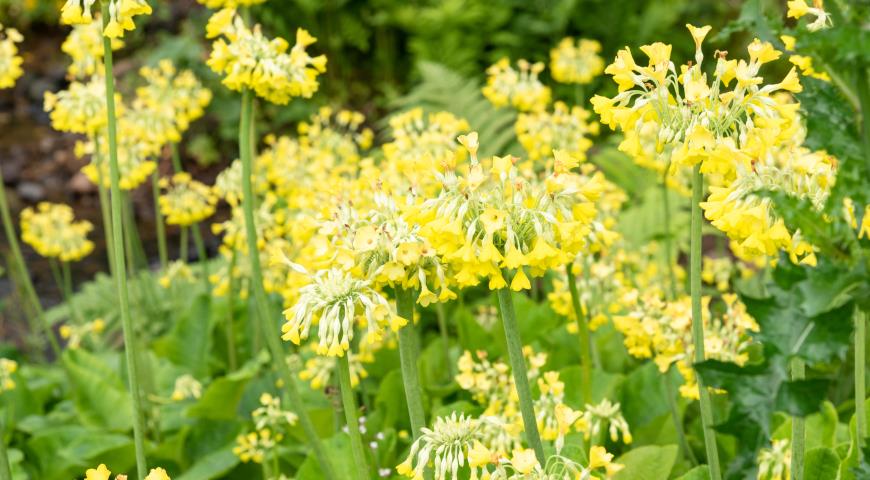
{"type": "Point", "coordinates": [270, 426]}
{"type": "Point", "coordinates": [567, 129]}
{"type": "Point", "coordinates": [491, 444]}
{"type": "Point", "coordinates": [494, 218]}
{"type": "Point", "coordinates": [52, 230]}
{"type": "Point", "coordinates": [250, 60]}
{"type": "Point", "coordinates": [799, 8]}
{"type": "Point", "coordinates": [743, 138]}
{"type": "Point", "coordinates": [662, 330]}
{"type": "Point", "coordinates": [7, 369]}
{"type": "Point", "coordinates": [186, 387]}
{"type": "Point", "coordinates": [74, 334]}
{"type": "Point", "coordinates": [10, 61]}
{"type": "Point", "coordinates": [121, 13]}
{"type": "Point", "coordinates": [576, 61]}
{"type": "Point", "coordinates": [318, 370]}
{"type": "Point", "coordinates": [520, 88]}
{"type": "Point", "coordinates": [420, 143]}
{"type": "Point", "coordinates": [774, 463]}
{"type": "Point", "coordinates": [103, 473]}
{"type": "Point", "coordinates": [84, 45]}
{"type": "Point", "coordinates": [185, 200]}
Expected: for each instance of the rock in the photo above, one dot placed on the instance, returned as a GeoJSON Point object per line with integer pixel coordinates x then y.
{"type": "Point", "coordinates": [80, 183]}
{"type": "Point", "coordinates": [31, 191]}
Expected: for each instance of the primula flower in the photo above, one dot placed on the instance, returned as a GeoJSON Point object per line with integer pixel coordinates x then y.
{"type": "Point", "coordinates": [446, 445]}
{"type": "Point", "coordinates": [74, 334]}
{"type": "Point", "coordinates": [185, 200]}
{"type": "Point", "coordinates": [774, 463]}
{"type": "Point", "coordinates": [84, 45]}
{"type": "Point", "coordinates": [186, 387]}
{"type": "Point", "coordinates": [318, 370]}
{"type": "Point", "coordinates": [121, 13]}
{"type": "Point", "coordinates": [519, 88]}
{"type": "Point", "coordinates": [576, 61]}
{"type": "Point", "coordinates": [7, 369]}
{"type": "Point", "coordinates": [254, 446]}
{"type": "Point", "coordinates": [53, 232]}
{"type": "Point", "coordinates": [799, 8]}
{"type": "Point", "coordinates": [81, 108]}
{"type": "Point", "coordinates": [10, 60]}
{"type": "Point", "coordinates": [335, 301]}
{"type": "Point", "coordinates": [542, 133]}
{"type": "Point", "coordinates": [178, 95]}
{"type": "Point", "coordinates": [249, 60]}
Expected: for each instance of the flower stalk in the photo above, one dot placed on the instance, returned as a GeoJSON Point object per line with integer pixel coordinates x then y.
{"type": "Point", "coordinates": [518, 368]}
{"type": "Point", "coordinates": [798, 427]}
{"type": "Point", "coordinates": [583, 330]}
{"type": "Point", "coordinates": [202, 254]}
{"type": "Point", "coordinates": [860, 375]}
{"type": "Point", "coordinates": [409, 352]}
{"type": "Point", "coordinates": [698, 323]}
{"type": "Point", "coordinates": [117, 241]}
{"type": "Point", "coordinates": [351, 418]}
{"type": "Point", "coordinates": [263, 314]}
{"type": "Point", "coordinates": [158, 220]}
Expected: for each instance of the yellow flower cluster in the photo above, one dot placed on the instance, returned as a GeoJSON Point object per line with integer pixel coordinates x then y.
{"type": "Point", "coordinates": [522, 464]}
{"type": "Point", "coordinates": [661, 330]}
{"type": "Point", "coordinates": [849, 214]}
{"type": "Point", "coordinates": [774, 463]}
{"type": "Point", "coordinates": [249, 60]}
{"type": "Point", "coordinates": [53, 232]}
{"type": "Point", "coordinates": [103, 473]}
{"type": "Point", "coordinates": [335, 139]}
{"type": "Point", "coordinates": [81, 108]}
{"type": "Point", "coordinates": [576, 61]}
{"type": "Point", "coordinates": [176, 99]}
{"type": "Point", "coordinates": [422, 143]}
{"type": "Point", "coordinates": [7, 369]}
{"type": "Point", "coordinates": [74, 334]}
{"type": "Point", "coordinates": [186, 201]}
{"type": "Point", "coordinates": [84, 45]}
{"type": "Point", "coordinates": [10, 60]}
{"type": "Point", "coordinates": [542, 132]}
{"type": "Point", "coordinates": [805, 63]}
{"type": "Point", "coordinates": [493, 218]}
{"type": "Point", "coordinates": [271, 423]}
{"type": "Point", "coordinates": [520, 88]}
{"type": "Point", "coordinates": [121, 13]}
{"type": "Point", "coordinates": [749, 220]}
{"type": "Point", "coordinates": [135, 157]}
{"type": "Point", "coordinates": [186, 387]}
{"type": "Point", "coordinates": [253, 446]}
{"type": "Point", "coordinates": [318, 370]}
{"type": "Point", "coordinates": [799, 8]}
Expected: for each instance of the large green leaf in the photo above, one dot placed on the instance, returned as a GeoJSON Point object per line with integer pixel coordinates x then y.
{"type": "Point", "coordinates": [187, 344]}
{"type": "Point", "coordinates": [220, 400]}
{"type": "Point", "coordinates": [647, 463]}
{"type": "Point", "coordinates": [820, 463]}
{"type": "Point", "coordinates": [212, 465]}
{"type": "Point", "coordinates": [99, 395]}
{"type": "Point", "coordinates": [701, 472]}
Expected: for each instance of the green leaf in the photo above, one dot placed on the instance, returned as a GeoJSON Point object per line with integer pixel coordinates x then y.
{"type": "Point", "coordinates": [220, 400]}
{"type": "Point", "coordinates": [188, 343]}
{"type": "Point", "coordinates": [820, 463]}
{"type": "Point", "coordinates": [340, 456]}
{"type": "Point", "coordinates": [390, 401]}
{"type": "Point", "coordinates": [212, 465]}
{"type": "Point", "coordinates": [701, 472]}
{"type": "Point", "coordinates": [647, 463]}
{"type": "Point", "coordinates": [99, 395]}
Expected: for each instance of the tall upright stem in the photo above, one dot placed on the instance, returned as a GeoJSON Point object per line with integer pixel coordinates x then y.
{"type": "Point", "coordinates": [202, 254]}
{"type": "Point", "coordinates": [176, 158]}
{"type": "Point", "coordinates": [798, 427]}
{"type": "Point", "coordinates": [698, 323]}
{"type": "Point", "coordinates": [408, 354]}
{"type": "Point", "coordinates": [183, 245]}
{"type": "Point", "coordinates": [5, 469]}
{"type": "Point", "coordinates": [350, 416]}
{"type": "Point", "coordinates": [158, 219]}
{"type": "Point", "coordinates": [669, 245]}
{"type": "Point", "coordinates": [230, 327]}
{"type": "Point", "coordinates": [583, 330]}
{"type": "Point", "coordinates": [118, 252]}
{"type": "Point", "coordinates": [860, 376]}
{"type": "Point", "coordinates": [105, 208]}
{"type": "Point", "coordinates": [265, 319]}
{"type": "Point", "coordinates": [521, 377]}
{"type": "Point", "coordinates": [678, 422]}
{"type": "Point", "coordinates": [26, 284]}
{"type": "Point", "coordinates": [445, 337]}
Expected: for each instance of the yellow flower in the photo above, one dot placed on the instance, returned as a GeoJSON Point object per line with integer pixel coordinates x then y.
{"type": "Point", "coordinates": [53, 232]}
{"type": "Point", "coordinates": [186, 201]}
{"type": "Point", "coordinates": [578, 62]}
{"type": "Point", "coordinates": [524, 460]}
{"type": "Point", "coordinates": [10, 61]}
{"type": "Point", "coordinates": [520, 88]}
{"type": "Point", "coordinates": [157, 474]}
{"type": "Point", "coordinates": [99, 473]}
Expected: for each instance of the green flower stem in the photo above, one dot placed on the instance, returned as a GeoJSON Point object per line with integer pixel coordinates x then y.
{"type": "Point", "coordinates": [104, 204]}
{"type": "Point", "coordinates": [860, 386]}
{"type": "Point", "coordinates": [37, 316]}
{"type": "Point", "coordinates": [698, 323]}
{"type": "Point", "coordinates": [265, 320]}
{"type": "Point", "coordinates": [678, 422]}
{"type": "Point", "coordinates": [182, 247]}
{"type": "Point", "coordinates": [351, 419]}
{"type": "Point", "coordinates": [230, 328]}
{"type": "Point", "coordinates": [798, 427]}
{"type": "Point", "coordinates": [445, 338]}
{"type": "Point", "coordinates": [5, 469]}
{"type": "Point", "coordinates": [666, 204]}
{"type": "Point", "coordinates": [130, 346]}
{"type": "Point", "coordinates": [202, 254]}
{"type": "Point", "coordinates": [583, 330]}
{"type": "Point", "coordinates": [176, 158]}
{"type": "Point", "coordinates": [63, 278]}
{"type": "Point", "coordinates": [579, 95]}
{"type": "Point", "coordinates": [158, 219]}
{"type": "Point", "coordinates": [518, 367]}
{"type": "Point", "coordinates": [409, 352]}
